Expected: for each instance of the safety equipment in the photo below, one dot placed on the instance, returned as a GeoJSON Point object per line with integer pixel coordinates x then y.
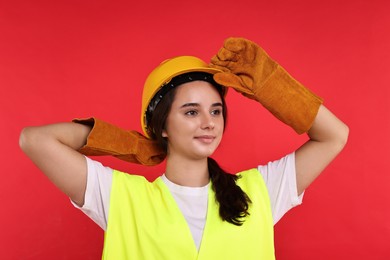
{"type": "Point", "coordinates": [130, 146]}
{"type": "Point", "coordinates": [249, 70]}
{"type": "Point", "coordinates": [145, 223]}
{"type": "Point", "coordinates": [163, 74]}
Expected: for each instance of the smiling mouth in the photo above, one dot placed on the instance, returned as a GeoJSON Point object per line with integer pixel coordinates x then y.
{"type": "Point", "coordinates": [205, 139]}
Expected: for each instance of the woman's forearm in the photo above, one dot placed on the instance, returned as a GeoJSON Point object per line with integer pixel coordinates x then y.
{"type": "Point", "coordinates": [328, 136]}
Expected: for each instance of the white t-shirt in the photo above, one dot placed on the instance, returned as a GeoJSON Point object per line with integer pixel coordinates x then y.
{"type": "Point", "coordinates": [279, 177]}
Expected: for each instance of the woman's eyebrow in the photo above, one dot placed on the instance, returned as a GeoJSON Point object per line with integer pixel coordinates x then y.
{"type": "Point", "coordinates": [218, 104]}
{"type": "Point", "coordinates": [190, 105]}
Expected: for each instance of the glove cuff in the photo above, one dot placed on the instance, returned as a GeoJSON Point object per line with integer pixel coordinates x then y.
{"type": "Point", "coordinates": [288, 100]}
{"type": "Point", "coordinates": [130, 146]}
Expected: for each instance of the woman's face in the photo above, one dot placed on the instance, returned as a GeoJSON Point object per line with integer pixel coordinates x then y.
{"type": "Point", "coordinates": [195, 124]}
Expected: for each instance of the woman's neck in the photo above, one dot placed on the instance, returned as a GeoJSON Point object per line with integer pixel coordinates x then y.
{"type": "Point", "coordinates": [184, 172]}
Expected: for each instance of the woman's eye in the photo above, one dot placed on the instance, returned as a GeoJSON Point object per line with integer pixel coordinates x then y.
{"type": "Point", "coordinates": [191, 113]}
{"type": "Point", "coordinates": [216, 112]}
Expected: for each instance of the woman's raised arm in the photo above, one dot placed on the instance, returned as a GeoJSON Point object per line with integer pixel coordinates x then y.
{"type": "Point", "coordinates": [53, 148]}
{"type": "Point", "coordinates": [249, 70]}
{"type": "Point", "coordinates": [328, 136]}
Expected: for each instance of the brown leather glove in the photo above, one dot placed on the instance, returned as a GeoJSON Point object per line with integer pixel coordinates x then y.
{"type": "Point", "coordinates": [250, 71]}
{"type": "Point", "coordinates": [130, 146]}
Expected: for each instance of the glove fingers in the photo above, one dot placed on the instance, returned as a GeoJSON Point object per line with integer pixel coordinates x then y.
{"type": "Point", "coordinates": [226, 55]}
{"type": "Point", "coordinates": [234, 53]}
{"type": "Point", "coordinates": [224, 60]}
{"type": "Point", "coordinates": [148, 152]}
{"type": "Point", "coordinates": [235, 45]}
{"type": "Point", "coordinates": [231, 80]}
{"type": "Point", "coordinates": [244, 49]}
{"type": "Point", "coordinates": [218, 64]}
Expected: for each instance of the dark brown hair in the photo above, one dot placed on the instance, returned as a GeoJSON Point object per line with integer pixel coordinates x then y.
{"type": "Point", "coordinates": [233, 201]}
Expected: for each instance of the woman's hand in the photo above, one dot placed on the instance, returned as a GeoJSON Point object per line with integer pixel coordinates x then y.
{"type": "Point", "coordinates": [130, 146]}
{"type": "Point", "coordinates": [248, 69]}
{"type": "Point", "coordinates": [245, 65]}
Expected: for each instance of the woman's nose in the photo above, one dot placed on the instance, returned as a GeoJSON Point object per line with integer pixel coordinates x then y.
{"type": "Point", "coordinates": [207, 122]}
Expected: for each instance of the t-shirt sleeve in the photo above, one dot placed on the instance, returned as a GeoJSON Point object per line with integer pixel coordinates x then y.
{"type": "Point", "coordinates": [280, 179]}
{"type": "Point", "coordinates": [97, 194]}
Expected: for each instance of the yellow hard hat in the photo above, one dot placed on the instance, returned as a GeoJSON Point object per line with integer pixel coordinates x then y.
{"type": "Point", "coordinates": [163, 74]}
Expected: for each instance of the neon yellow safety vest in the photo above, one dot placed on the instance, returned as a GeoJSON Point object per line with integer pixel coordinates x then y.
{"type": "Point", "coordinates": [145, 223]}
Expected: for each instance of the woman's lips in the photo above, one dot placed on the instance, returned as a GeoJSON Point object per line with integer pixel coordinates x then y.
{"type": "Point", "coordinates": [205, 138]}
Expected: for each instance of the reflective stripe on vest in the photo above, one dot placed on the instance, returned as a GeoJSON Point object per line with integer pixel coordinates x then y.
{"type": "Point", "coordinates": [145, 223]}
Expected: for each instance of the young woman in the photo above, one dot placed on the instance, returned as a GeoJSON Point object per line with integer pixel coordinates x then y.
{"type": "Point", "coordinates": [195, 210]}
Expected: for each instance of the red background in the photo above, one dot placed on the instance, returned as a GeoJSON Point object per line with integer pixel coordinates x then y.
{"type": "Point", "coordinates": [66, 59]}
